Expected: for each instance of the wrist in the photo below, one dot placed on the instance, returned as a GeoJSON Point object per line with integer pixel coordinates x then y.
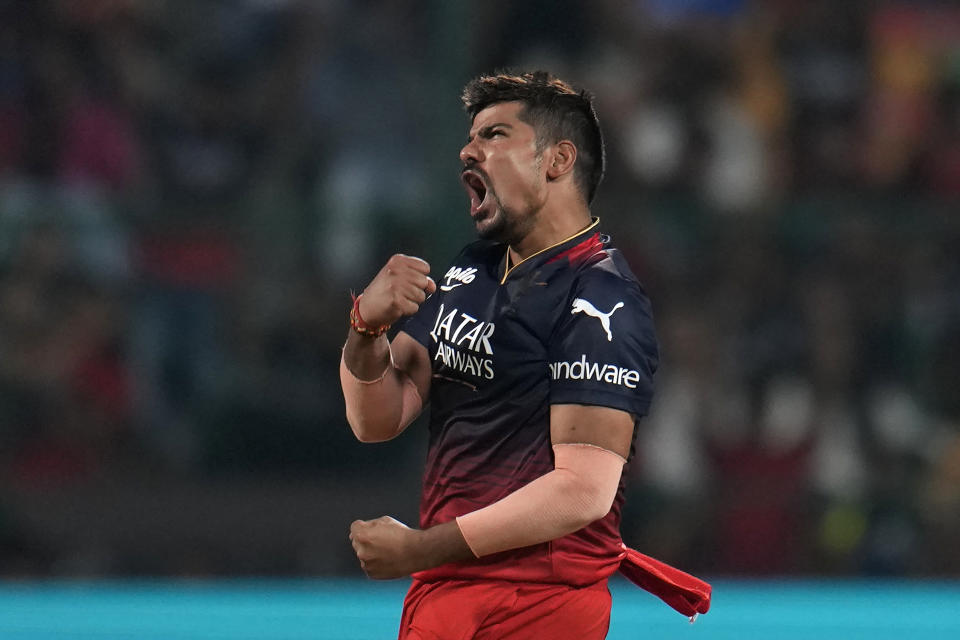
{"type": "Point", "coordinates": [440, 544]}
{"type": "Point", "coordinates": [360, 326]}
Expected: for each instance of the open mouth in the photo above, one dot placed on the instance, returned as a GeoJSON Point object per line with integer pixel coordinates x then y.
{"type": "Point", "coordinates": [476, 190]}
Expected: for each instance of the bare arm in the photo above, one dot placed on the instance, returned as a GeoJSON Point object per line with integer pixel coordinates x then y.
{"type": "Point", "coordinates": [603, 427]}
{"type": "Point", "coordinates": [578, 491]}
{"type": "Point", "coordinates": [590, 445]}
{"type": "Point", "coordinates": [385, 384]}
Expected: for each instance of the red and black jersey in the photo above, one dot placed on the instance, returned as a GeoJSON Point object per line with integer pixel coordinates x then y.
{"type": "Point", "coordinates": [568, 325]}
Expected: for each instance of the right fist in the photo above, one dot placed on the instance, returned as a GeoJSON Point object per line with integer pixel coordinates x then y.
{"type": "Point", "coordinates": [397, 290]}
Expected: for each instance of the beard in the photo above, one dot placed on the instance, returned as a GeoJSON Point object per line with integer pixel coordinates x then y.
{"type": "Point", "coordinates": [496, 225]}
{"type": "Point", "coordinates": [504, 225]}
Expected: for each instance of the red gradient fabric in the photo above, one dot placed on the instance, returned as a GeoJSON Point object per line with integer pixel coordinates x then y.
{"type": "Point", "coordinates": [687, 594]}
{"type": "Point", "coordinates": [502, 610]}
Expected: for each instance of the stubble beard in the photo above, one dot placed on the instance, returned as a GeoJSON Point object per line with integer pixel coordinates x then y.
{"type": "Point", "coordinates": [505, 225]}
{"type": "Point", "coordinates": [496, 227]}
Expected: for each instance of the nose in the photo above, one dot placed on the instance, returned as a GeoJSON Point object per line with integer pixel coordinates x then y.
{"type": "Point", "coordinates": [471, 153]}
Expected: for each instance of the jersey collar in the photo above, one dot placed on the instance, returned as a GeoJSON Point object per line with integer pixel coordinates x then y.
{"type": "Point", "coordinates": [547, 252]}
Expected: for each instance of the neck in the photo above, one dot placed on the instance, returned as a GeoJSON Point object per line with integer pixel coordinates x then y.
{"type": "Point", "coordinates": [551, 228]}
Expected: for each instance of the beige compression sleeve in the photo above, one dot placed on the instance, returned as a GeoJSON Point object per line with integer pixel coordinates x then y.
{"type": "Point", "coordinates": [380, 409]}
{"type": "Point", "coordinates": [579, 490]}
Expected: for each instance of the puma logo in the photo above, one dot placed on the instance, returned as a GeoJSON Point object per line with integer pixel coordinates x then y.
{"type": "Point", "coordinates": [581, 305]}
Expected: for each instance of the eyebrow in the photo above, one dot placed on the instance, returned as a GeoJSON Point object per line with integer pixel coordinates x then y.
{"type": "Point", "coordinates": [490, 127]}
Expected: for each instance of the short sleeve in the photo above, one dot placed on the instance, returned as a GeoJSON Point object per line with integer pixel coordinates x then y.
{"type": "Point", "coordinates": [603, 350]}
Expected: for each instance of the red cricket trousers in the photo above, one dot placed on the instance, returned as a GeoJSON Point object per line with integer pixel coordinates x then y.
{"type": "Point", "coordinates": [501, 610]}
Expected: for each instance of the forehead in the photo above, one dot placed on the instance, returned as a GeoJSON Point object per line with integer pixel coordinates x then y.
{"type": "Point", "coordinates": [501, 112]}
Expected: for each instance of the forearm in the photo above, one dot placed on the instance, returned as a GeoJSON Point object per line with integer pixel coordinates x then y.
{"type": "Point", "coordinates": [438, 545]}
{"type": "Point", "coordinates": [380, 400]}
{"type": "Point", "coordinates": [367, 358]}
{"type": "Point", "coordinates": [388, 548]}
{"type": "Point", "coordinates": [577, 492]}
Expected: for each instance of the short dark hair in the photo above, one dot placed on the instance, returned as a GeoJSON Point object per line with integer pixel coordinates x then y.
{"type": "Point", "coordinates": [554, 109]}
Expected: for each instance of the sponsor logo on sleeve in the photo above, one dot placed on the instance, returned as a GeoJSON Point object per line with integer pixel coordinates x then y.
{"type": "Point", "coordinates": [585, 306]}
{"type": "Point", "coordinates": [582, 369]}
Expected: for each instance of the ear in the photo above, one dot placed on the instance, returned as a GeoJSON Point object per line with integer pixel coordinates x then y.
{"type": "Point", "coordinates": [561, 159]}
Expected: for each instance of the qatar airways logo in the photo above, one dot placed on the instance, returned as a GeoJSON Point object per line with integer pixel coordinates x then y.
{"type": "Point", "coordinates": [583, 370]}
{"type": "Point", "coordinates": [463, 342]}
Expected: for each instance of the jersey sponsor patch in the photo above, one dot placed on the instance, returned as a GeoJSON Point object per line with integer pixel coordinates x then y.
{"type": "Point", "coordinates": [582, 369]}
{"type": "Point", "coordinates": [463, 342]}
{"type": "Point", "coordinates": [457, 276]}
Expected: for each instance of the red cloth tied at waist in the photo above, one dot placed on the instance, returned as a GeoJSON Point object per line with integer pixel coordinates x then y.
{"type": "Point", "coordinates": [685, 593]}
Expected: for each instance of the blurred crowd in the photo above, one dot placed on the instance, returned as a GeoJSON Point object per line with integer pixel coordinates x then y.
{"type": "Point", "coordinates": [189, 190]}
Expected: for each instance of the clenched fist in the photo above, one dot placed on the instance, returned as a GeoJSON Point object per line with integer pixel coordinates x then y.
{"type": "Point", "coordinates": [385, 547]}
{"type": "Point", "coordinates": [398, 290]}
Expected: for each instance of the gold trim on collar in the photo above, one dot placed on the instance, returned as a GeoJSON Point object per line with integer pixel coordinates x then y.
{"type": "Point", "coordinates": [507, 268]}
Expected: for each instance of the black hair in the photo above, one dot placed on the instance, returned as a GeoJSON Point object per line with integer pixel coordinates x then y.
{"type": "Point", "coordinates": [554, 109]}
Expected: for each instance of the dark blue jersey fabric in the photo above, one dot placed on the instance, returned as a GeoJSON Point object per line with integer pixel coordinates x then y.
{"type": "Point", "coordinates": [569, 325]}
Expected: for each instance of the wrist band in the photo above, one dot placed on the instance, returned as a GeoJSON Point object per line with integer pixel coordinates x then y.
{"type": "Point", "coordinates": [361, 327]}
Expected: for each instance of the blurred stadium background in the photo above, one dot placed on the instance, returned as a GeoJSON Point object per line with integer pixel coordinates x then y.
{"type": "Point", "coordinates": [190, 189]}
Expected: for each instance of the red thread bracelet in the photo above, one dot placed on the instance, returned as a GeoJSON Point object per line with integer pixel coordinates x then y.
{"type": "Point", "coordinates": [361, 327]}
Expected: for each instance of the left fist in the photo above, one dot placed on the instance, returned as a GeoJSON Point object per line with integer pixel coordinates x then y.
{"type": "Point", "coordinates": [386, 547]}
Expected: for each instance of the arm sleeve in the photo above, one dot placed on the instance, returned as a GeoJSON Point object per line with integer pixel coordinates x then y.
{"type": "Point", "coordinates": [603, 351]}
{"type": "Point", "coordinates": [579, 490]}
